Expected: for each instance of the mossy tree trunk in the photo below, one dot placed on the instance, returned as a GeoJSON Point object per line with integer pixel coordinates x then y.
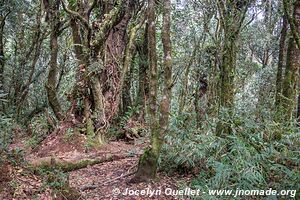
{"type": "Point", "coordinates": [143, 87]}
{"type": "Point", "coordinates": [126, 98]}
{"type": "Point", "coordinates": [158, 124]}
{"type": "Point", "coordinates": [148, 162]}
{"type": "Point", "coordinates": [292, 20]}
{"type": "Point", "coordinates": [2, 55]}
{"type": "Point", "coordinates": [99, 51]}
{"type": "Point", "coordinates": [289, 87]}
{"type": "Point", "coordinates": [128, 69]}
{"type": "Point", "coordinates": [53, 70]}
{"type": "Point", "coordinates": [281, 56]}
{"type": "Point", "coordinates": [232, 15]}
{"type": "Point", "coordinates": [2, 59]}
{"type": "Point", "coordinates": [184, 88]}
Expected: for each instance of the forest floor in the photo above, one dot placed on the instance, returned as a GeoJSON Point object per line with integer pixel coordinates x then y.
{"type": "Point", "coordinates": [96, 181]}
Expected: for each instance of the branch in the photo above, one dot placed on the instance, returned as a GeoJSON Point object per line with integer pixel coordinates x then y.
{"type": "Point", "coordinates": [110, 20]}
{"type": "Point", "coordinates": [222, 10]}
{"type": "Point", "coordinates": [292, 23]}
{"type": "Point", "coordinates": [76, 15]}
{"type": "Point", "coordinates": [243, 18]}
{"type": "Point", "coordinates": [249, 22]}
{"type": "Point", "coordinates": [4, 18]}
{"type": "Point", "coordinates": [92, 7]}
{"type": "Point", "coordinates": [129, 48]}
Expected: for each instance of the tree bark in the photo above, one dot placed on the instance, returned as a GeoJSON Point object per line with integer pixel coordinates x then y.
{"type": "Point", "coordinates": [292, 20]}
{"type": "Point", "coordinates": [279, 77]}
{"type": "Point", "coordinates": [232, 19]}
{"type": "Point", "coordinates": [143, 88]}
{"type": "Point", "coordinates": [127, 71]}
{"type": "Point", "coordinates": [148, 162]}
{"type": "Point", "coordinates": [126, 98]}
{"type": "Point", "coordinates": [147, 166]}
{"type": "Point", "coordinates": [98, 76]}
{"type": "Point", "coordinates": [289, 87]}
{"type": "Point", "coordinates": [2, 56]}
{"type": "Point", "coordinates": [53, 71]}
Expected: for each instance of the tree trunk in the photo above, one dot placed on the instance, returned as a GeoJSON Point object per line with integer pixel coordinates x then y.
{"type": "Point", "coordinates": [279, 77]}
{"type": "Point", "coordinates": [148, 162]}
{"type": "Point", "coordinates": [53, 71]}
{"type": "Point", "coordinates": [292, 20]}
{"type": "Point", "coordinates": [232, 20]}
{"type": "Point", "coordinates": [289, 87]}
{"type": "Point", "coordinates": [127, 71]}
{"type": "Point", "coordinates": [99, 75]}
{"type": "Point", "coordinates": [2, 56]}
{"type": "Point", "coordinates": [227, 81]}
{"type": "Point", "coordinates": [143, 88]}
{"type": "Point", "coordinates": [183, 92]}
{"type": "Point", "coordinates": [126, 98]}
{"type": "Point", "coordinates": [2, 59]}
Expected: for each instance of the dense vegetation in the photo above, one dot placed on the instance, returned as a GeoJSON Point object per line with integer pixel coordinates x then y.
{"type": "Point", "coordinates": [210, 86]}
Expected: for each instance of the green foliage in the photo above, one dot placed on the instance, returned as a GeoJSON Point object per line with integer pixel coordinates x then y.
{"type": "Point", "coordinates": [54, 178]}
{"type": "Point", "coordinates": [39, 130]}
{"type": "Point", "coordinates": [248, 158]}
{"type": "Point", "coordinates": [131, 111]}
{"type": "Point", "coordinates": [16, 156]}
{"type": "Point", "coordinates": [2, 95]}
{"type": "Point", "coordinates": [117, 132]}
{"type": "Point", "coordinates": [185, 145]}
{"type": "Point", "coordinates": [69, 134]}
{"type": "Point", "coordinates": [6, 124]}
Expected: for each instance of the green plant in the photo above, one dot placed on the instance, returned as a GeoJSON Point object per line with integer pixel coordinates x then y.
{"type": "Point", "coordinates": [129, 114]}
{"type": "Point", "coordinates": [6, 124]}
{"type": "Point", "coordinates": [58, 181]}
{"type": "Point", "coordinates": [32, 142]}
{"type": "Point", "coordinates": [69, 134]}
{"type": "Point", "coordinates": [248, 158]}
{"type": "Point", "coordinates": [16, 156]}
{"type": "Point", "coordinates": [39, 131]}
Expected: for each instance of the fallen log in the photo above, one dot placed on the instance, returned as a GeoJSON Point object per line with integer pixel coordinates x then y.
{"type": "Point", "coordinates": [67, 166]}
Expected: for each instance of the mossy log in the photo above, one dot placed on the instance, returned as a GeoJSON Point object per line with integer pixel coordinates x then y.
{"type": "Point", "coordinates": [67, 166]}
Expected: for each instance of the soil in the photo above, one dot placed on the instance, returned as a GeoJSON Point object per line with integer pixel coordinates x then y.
{"type": "Point", "coordinates": [97, 182]}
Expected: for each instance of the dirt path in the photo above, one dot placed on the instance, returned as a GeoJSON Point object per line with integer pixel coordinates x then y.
{"type": "Point", "coordinates": [107, 180]}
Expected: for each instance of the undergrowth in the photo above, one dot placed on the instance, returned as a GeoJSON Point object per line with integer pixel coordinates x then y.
{"type": "Point", "coordinates": [58, 181]}
{"type": "Point", "coordinates": [249, 158]}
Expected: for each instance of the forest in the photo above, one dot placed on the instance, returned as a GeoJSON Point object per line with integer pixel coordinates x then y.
{"type": "Point", "coordinates": [149, 99]}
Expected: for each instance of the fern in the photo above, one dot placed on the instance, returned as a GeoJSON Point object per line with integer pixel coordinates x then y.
{"type": "Point", "coordinates": [246, 159]}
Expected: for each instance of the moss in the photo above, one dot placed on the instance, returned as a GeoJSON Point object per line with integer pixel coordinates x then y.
{"type": "Point", "coordinates": [68, 193]}
{"type": "Point", "coordinates": [90, 128]}
{"type": "Point", "coordinates": [147, 166]}
{"type": "Point", "coordinates": [66, 167]}
{"type": "Point", "coordinates": [50, 164]}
